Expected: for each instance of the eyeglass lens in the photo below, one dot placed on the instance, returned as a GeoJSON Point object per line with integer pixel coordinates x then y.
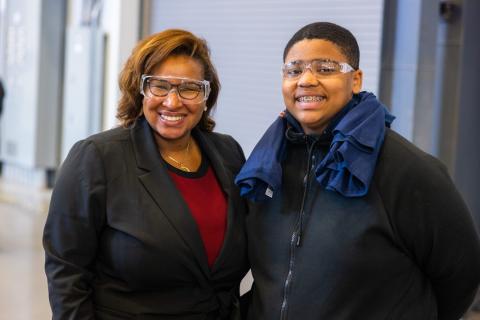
{"type": "Point", "coordinates": [320, 68]}
{"type": "Point", "coordinates": [186, 90]}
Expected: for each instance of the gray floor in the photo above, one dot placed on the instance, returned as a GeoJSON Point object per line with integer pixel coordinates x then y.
{"type": "Point", "coordinates": [23, 287]}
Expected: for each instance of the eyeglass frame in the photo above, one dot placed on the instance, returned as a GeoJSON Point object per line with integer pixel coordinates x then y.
{"type": "Point", "coordinates": [344, 68]}
{"type": "Point", "coordinates": [204, 83]}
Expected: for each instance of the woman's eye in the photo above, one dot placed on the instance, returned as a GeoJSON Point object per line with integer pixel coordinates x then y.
{"type": "Point", "coordinates": [160, 85]}
{"type": "Point", "coordinates": [190, 87]}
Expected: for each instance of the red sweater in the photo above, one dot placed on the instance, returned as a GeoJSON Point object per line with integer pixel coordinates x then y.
{"type": "Point", "coordinates": [207, 203]}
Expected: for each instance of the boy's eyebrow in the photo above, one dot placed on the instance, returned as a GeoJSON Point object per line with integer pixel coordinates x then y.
{"type": "Point", "coordinates": [316, 59]}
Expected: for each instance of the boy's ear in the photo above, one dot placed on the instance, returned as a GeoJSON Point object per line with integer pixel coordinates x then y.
{"type": "Point", "coordinates": [357, 81]}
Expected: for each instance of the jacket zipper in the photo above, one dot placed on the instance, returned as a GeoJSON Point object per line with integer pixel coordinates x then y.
{"type": "Point", "coordinates": [296, 238]}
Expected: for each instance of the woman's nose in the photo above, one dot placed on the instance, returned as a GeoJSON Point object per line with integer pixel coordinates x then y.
{"type": "Point", "coordinates": [172, 100]}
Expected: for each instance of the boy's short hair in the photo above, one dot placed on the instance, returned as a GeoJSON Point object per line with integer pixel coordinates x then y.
{"type": "Point", "coordinates": [332, 32]}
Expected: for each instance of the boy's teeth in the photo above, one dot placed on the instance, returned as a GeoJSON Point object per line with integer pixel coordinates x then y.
{"type": "Point", "coordinates": [171, 118]}
{"type": "Point", "coordinates": [310, 98]}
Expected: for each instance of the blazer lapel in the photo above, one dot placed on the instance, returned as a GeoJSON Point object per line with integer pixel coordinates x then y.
{"type": "Point", "coordinates": [214, 155]}
{"type": "Point", "coordinates": [163, 191]}
{"type": "Point", "coordinates": [225, 178]}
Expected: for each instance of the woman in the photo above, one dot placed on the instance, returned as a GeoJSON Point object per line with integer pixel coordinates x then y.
{"type": "Point", "coordinates": [145, 221]}
{"type": "Point", "coordinates": [356, 222]}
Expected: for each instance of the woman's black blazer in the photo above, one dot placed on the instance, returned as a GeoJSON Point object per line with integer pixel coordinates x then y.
{"type": "Point", "coordinates": [120, 241]}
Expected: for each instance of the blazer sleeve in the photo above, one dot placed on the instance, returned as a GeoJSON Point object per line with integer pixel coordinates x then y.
{"type": "Point", "coordinates": [230, 150]}
{"type": "Point", "coordinates": [70, 239]}
{"type": "Point", "coordinates": [436, 226]}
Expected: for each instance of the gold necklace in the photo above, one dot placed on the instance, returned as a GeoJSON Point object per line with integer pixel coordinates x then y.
{"type": "Point", "coordinates": [179, 164]}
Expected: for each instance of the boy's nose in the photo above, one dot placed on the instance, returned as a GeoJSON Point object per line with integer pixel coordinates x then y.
{"type": "Point", "coordinates": [308, 78]}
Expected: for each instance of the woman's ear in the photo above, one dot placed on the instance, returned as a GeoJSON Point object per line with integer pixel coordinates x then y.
{"type": "Point", "coordinates": [357, 81]}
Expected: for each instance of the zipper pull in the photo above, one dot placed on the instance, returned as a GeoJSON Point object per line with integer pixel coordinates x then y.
{"type": "Point", "coordinates": [299, 239]}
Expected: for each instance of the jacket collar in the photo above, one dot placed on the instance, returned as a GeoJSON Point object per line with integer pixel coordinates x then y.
{"type": "Point", "coordinates": [163, 191]}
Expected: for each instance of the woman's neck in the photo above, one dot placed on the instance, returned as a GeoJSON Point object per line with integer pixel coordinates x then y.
{"type": "Point", "coordinates": [174, 145]}
{"type": "Point", "coordinates": [182, 153]}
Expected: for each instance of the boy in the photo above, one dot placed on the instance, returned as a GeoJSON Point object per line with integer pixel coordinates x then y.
{"type": "Point", "coordinates": [352, 221]}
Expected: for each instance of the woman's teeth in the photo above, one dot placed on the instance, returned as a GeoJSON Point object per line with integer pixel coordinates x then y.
{"type": "Point", "coordinates": [171, 118]}
{"type": "Point", "coordinates": [310, 99]}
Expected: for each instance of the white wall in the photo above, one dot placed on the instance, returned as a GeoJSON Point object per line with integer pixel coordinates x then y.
{"type": "Point", "coordinates": [121, 23]}
{"type": "Point", "coordinates": [100, 36]}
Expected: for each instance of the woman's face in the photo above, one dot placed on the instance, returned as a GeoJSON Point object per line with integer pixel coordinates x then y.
{"type": "Point", "coordinates": [315, 100]}
{"type": "Point", "coordinates": [173, 117]}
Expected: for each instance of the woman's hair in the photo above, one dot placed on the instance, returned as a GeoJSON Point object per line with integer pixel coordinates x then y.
{"type": "Point", "coordinates": [148, 55]}
{"type": "Point", "coordinates": [332, 32]}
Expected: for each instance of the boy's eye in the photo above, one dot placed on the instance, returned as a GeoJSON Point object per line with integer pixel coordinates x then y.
{"type": "Point", "coordinates": [326, 67]}
{"type": "Point", "coordinates": [294, 70]}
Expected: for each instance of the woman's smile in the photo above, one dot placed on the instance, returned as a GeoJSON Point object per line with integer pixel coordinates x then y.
{"type": "Point", "coordinates": [171, 118]}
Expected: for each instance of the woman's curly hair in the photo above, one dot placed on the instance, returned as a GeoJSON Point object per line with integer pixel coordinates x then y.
{"type": "Point", "coordinates": [147, 55]}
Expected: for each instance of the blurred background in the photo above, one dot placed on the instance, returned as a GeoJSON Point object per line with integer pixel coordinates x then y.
{"type": "Point", "coordinates": [59, 66]}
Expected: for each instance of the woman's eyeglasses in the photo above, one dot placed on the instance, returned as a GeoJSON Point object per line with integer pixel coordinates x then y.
{"type": "Point", "coordinates": [187, 89]}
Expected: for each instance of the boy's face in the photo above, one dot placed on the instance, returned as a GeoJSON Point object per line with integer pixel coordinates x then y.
{"type": "Point", "coordinates": [314, 99]}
